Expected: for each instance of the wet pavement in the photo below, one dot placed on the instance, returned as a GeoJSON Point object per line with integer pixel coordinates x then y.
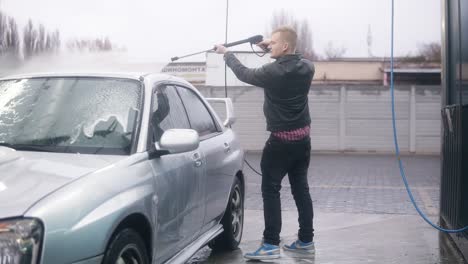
{"type": "Point", "coordinates": [362, 213]}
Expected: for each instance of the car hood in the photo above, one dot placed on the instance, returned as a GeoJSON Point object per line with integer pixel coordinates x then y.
{"type": "Point", "coordinates": [27, 177]}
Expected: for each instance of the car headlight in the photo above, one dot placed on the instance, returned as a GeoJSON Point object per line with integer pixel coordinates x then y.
{"type": "Point", "coordinates": [20, 241]}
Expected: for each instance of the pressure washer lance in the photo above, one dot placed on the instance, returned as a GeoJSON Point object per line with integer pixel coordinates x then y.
{"type": "Point", "coordinates": [252, 40]}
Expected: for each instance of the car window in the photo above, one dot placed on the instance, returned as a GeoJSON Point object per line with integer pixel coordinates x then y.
{"type": "Point", "coordinates": [168, 112]}
{"type": "Point", "coordinates": [72, 114]}
{"type": "Point", "coordinates": [199, 116]}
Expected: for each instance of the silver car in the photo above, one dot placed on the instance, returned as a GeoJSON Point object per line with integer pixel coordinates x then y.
{"type": "Point", "coordinates": [115, 168]}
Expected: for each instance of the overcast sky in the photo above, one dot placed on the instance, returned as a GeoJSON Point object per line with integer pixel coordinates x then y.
{"type": "Point", "coordinates": [160, 29]}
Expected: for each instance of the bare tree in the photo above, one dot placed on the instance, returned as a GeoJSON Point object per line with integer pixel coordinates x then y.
{"type": "Point", "coordinates": [283, 18]}
{"type": "Point", "coordinates": [48, 42]}
{"type": "Point", "coordinates": [94, 45]}
{"type": "Point", "coordinates": [41, 40]}
{"type": "Point", "coordinates": [56, 42]}
{"type": "Point", "coordinates": [430, 51]}
{"type": "Point", "coordinates": [12, 38]}
{"type": "Point", "coordinates": [305, 45]}
{"type": "Point", "coordinates": [332, 52]}
{"type": "Point", "coordinates": [3, 30]}
{"type": "Point", "coordinates": [9, 38]}
{"type": "Point", "coordinates": [107, 45]}
{"type": "Point", "coordinates": [305, 41]}
{"type": "Point", "coordinates": [35, 39]}
{"type": "Point", "coordinates": [29, 40]}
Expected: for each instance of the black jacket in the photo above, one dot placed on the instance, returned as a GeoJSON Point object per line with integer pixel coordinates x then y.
{"type": "Point", "coordinates": [286, 84]}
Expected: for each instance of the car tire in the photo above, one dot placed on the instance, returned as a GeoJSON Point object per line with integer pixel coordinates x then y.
{"type": "Point", "coordinates": [126, 247]}
{"type": "Point", "coordinates": [232, 221]}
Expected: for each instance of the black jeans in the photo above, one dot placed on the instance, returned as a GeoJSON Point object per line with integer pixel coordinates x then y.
{"type": "Point", "coordinates": [280, 158]}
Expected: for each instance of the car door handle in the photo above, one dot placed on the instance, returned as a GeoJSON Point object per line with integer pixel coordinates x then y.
{"type": "Point", "coordinates": [227, 147]}
{"type": "Point", "coordinates": [197, 159]}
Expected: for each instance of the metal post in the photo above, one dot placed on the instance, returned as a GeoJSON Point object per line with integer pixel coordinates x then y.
{"type": "Point", "coordinates": [342, 133]}
{"type": "Point", "coordinates": [412, 120]}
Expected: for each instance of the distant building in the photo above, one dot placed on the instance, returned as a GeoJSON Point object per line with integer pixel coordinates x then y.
{"type": "Point", "coordinates": [420, 76]}
{"type": "Point", "coordinates": [193, 72]}
{"type": "Point", "coordinates": [375, 71]}
{"type": "Point", "coordinates": [349, 71]}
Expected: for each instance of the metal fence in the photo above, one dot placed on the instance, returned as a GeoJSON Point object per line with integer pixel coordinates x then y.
{"type": "Point", "coordinates": [348, 117]}
{"type": "Point", "coordinates": [454, 180]}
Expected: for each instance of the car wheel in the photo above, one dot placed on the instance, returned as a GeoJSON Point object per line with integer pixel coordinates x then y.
{"type": "Point", "coordinates": [127, 247]}
{"type": "Point", "coordinates": [233, 221]}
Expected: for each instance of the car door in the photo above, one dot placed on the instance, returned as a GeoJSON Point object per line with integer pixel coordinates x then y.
{"type": "Point", "coordinates": [179, 215]}
{"type": "Point", "coordinates": [216, 148]}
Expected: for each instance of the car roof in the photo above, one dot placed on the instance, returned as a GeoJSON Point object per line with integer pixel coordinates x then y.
{"type": "Point", "coordinates": [135, 76]}
{"type": "Point", "coordinates": [138, 76]}
{"type": "Point", "coordinates": [124, 75]}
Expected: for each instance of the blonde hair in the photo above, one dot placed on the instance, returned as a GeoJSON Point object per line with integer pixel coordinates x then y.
{"type": "Point", "coordinates": [289, 35]}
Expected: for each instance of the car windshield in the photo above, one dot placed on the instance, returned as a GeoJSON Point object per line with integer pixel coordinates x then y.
{"type": "Point", "coordinates": [72, 115]}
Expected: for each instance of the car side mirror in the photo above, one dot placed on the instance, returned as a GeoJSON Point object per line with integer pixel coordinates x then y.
{"type": "Point", "coordinates": [230, 116]}
{"type": "Point", "coordinates": [175, 141]}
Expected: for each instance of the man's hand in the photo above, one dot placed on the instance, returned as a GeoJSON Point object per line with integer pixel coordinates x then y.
{"type": "Point", "coordinates": [264, 44]}
{"type": "Point", "coordinates": [220, 49]}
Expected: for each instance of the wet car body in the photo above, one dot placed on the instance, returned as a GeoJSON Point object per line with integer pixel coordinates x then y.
{"type": "Point", "coordinates": [143, 177]}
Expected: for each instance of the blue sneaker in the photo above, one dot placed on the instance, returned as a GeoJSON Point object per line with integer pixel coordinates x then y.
{"type": "Point", "coordinates": [299, 246]}
{"type": "Point", "coordinates": [266, 251]}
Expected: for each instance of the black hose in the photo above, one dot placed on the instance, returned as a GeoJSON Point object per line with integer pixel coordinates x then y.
{"type": "Point", "coordinates": [250, 166]}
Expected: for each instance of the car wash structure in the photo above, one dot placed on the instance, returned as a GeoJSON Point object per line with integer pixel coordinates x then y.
{"type": "Point", "coordinates": [454, 175]}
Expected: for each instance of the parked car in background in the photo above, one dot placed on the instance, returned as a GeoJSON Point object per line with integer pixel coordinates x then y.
{"type": "Point", "coordinates": [115, 168]}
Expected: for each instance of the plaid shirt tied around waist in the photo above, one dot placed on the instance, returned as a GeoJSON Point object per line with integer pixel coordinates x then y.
{"type": "Point", "coordinates": [293, 135]}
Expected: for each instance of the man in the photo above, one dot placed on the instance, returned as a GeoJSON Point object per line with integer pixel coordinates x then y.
{"type": "Point", "coordinates": [286, 84]}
